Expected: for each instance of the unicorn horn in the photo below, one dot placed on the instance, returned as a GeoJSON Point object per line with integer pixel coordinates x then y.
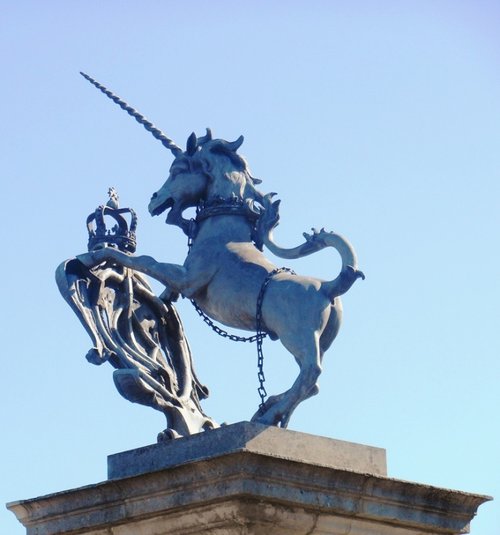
{"type": "Point", "coordinates": [158, 134]}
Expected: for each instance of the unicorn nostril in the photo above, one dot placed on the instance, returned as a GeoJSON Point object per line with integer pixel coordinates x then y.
{"type": "Point", "coordinates": [154, 195]}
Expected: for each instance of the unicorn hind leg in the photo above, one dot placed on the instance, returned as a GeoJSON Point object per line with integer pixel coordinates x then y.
{"type": "Point", "coordinates": [278, 409]}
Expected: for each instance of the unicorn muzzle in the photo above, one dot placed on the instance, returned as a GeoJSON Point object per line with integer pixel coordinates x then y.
{"type": "Point", "coordinates": [157, 205]}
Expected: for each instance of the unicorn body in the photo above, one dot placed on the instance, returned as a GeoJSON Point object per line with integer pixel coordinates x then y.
{"type": "Point", "coordinates": [226, 269]}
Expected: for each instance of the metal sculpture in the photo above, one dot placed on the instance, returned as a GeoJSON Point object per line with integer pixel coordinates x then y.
{"type": "Point", "coordinates": [226, 270]}
{"type": "Point", "coordinates": [131, 328]}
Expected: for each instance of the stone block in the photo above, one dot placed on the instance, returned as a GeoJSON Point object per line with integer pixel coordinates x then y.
{"type": "Point", "coordinates": [254, 438]}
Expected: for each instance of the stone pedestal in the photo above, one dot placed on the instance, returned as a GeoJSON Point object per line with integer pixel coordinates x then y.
{"type": "Point", "coordinates": [250, 479]}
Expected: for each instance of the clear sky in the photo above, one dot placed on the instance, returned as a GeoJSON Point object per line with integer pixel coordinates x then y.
{"type": "Point", "coordinates": [379, 120]}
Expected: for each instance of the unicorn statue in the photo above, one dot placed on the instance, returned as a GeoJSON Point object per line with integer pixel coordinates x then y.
{"type": "Point", "coordinates": [226, 274]}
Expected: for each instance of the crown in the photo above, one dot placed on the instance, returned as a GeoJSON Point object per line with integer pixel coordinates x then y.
{"type": "Point", "coordinates": [121, 235]}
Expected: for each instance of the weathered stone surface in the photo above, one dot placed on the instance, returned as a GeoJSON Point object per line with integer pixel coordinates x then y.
{"type": "Point", "coordinates": [251, 437]}
{"type": "Point", "coordinates": [251, 492]}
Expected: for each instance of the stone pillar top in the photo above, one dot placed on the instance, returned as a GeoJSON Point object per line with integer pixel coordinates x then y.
{"type": "Point", "coordinates": [253, 438]}
{"type": "Point", "coordinates": [249, 479]}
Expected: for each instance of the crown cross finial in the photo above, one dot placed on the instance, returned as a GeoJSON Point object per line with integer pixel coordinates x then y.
{"type": "Point", "coordinates": [113, 201]}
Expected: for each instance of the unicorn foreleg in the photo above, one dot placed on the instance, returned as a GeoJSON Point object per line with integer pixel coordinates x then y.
{"type": "Point", "coordinates": [175, 277]}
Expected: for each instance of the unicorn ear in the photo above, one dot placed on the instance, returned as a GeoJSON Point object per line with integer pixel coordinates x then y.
{"type": "Point", "coordinates": [192, 144]}
{"type": "Point", "coordinates": [235, 145]}
{"type": "Point", "coordinates": [205, 138]}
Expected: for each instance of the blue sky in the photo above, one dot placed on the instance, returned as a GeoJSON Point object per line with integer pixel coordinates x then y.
{"type": "Point", "coordinates": [379, 120]}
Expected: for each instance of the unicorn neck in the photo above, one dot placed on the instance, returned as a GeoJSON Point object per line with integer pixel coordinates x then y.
{"type": "Point", "coordinates": [225, 206]}
{"type": "Point", "coordinates": [226, 227]}
{"type": "Point", "coordinates": [231, 217]}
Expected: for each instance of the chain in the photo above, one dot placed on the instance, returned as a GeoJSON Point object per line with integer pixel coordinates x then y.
{"type": "Point", "coordinates": [222, 332]}
{"type": "Point", "coordinates": [259, 336]}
